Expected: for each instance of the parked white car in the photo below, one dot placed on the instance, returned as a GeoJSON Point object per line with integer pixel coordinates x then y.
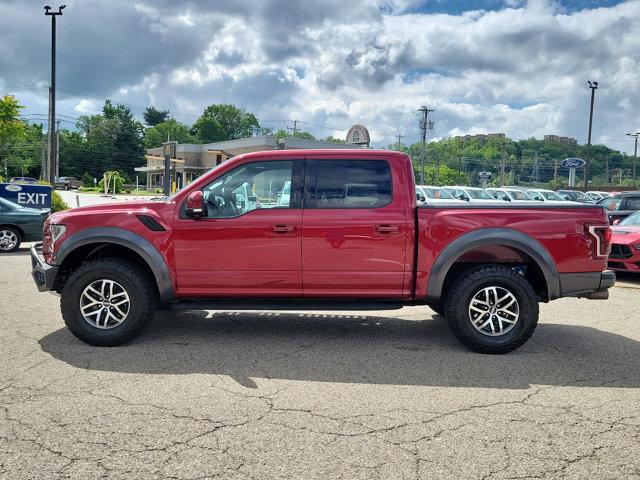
{"type": "Point", "coordinates": [428, 194]}
{"type": "Point", "coordinates": [510, 194]}
{"type": "Point", "coordinates": [544, 195]}
{"type": "Point", "coordinates": [597, 196]}
{"type": "Point", "coordinates": [470, 194]}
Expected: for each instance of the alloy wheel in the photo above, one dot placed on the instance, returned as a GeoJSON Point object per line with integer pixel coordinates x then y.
{"type": "Point", "coordinates": [104, 304]}
{"type": "Point", "coordinates": [494, 311]}
{"type": "Point", "coordinates": [8, 240]}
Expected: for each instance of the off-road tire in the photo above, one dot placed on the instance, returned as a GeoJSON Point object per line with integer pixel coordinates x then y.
{"type": "Point", "coordinates": [132, 278]}
{"type": "Point", "coordinates": [463, 290]}
{"type": "Point", "coordinates": [438, 307]}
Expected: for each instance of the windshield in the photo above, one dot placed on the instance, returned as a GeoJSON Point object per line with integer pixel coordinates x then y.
{"type": "Point", "coordinates": [632, 220]}
{"type": "Point", "coordinates": [519, 195]}
{"type": "Point", "coordinates": [479, 194]}
{"type": "Point", "coordinates": [552, 196]}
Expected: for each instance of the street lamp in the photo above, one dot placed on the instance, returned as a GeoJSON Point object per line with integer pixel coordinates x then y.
{"type": "Point", "coordinates": [593, 86]}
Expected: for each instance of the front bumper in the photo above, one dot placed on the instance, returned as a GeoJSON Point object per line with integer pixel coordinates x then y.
{"type": "Point", "coordinates": [43, 274]}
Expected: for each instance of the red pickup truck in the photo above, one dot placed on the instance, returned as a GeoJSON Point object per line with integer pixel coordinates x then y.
{"type": "Point", "coordinates": [302, 226]}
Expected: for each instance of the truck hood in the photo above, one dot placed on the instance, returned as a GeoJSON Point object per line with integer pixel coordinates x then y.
{"type": "Point", "coordinates": [129, 206]}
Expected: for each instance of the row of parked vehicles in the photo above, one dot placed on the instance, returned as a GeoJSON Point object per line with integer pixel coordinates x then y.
{"type": "Point", "coordinates": [623, 210]}
{"type": "Point", "coordinates": [62, 183]}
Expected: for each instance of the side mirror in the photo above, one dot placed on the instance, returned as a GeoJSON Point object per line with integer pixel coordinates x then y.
{"type": "Point", "coordinates": [616, 221]}
{"type": "Point", "coordinates": [195, 205]}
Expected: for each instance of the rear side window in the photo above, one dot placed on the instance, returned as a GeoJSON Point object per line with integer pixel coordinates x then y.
{"type": "Point", "coordinates": [633, 203]}
{"type": "Point", "coordinates": [351, 184]}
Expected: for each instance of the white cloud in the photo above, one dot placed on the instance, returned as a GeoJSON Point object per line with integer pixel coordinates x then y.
{"type": "Point", "coordinates": [521, 70]}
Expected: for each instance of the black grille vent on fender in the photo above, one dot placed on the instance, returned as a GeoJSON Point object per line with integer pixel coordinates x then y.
{"type": "Point", "coordinates": [151, 223]}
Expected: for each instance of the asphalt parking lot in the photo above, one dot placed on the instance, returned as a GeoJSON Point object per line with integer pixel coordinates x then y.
{"type": "Point", "coordinates": [387, 395]}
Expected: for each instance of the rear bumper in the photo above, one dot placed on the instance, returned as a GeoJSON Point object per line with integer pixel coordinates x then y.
{"type": "Point", "coordinates": [586, 284]}
{"type": "Point", "coordinates": [43, 274]}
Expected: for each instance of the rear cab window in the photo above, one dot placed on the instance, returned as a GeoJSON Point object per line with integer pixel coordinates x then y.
{"type": "Point", "coordinates": [349, 184]}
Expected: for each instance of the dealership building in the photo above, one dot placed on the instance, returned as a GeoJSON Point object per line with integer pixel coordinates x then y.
{"type": "Point", "coordinates": [189, 161]}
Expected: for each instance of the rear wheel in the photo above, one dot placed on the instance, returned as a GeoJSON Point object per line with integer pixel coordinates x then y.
{"type": "Point", "coordinates": [10, 239]}
{"type": "Point", "coordinates": [492, 309]}
{"type": "Point", "coordinates": [108, 302]}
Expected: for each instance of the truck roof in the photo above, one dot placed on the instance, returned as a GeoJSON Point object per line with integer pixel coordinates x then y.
{"type": "Point", "coordinates": [364, 153]}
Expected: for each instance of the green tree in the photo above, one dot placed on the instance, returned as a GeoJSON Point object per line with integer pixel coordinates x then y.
{"type": "Point", "coordinates": [112, 177]}
{"type": "Point", "coordinates": [112, 140]}
{"type": "Point", "coordinates": [282, 133]}
{"type": "Point", "coordinates": [333, 139]}
{"type": "Point", "coordinates": [169, 129]}
{"type": "Point", "coordinates": [153, 116]}
{"type": "Point", "coordinates": [12, 128]}
{"type": "Point", "coordinates": [224, 122]}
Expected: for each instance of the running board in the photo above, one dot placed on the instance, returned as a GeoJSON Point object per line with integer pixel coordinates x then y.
{"type": "Point", "coordinates": [288, 304]}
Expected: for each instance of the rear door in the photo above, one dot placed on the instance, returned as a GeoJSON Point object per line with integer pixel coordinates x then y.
{"type": "Point", "coordinates": [354, 230]}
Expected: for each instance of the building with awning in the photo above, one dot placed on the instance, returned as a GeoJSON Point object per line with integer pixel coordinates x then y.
{"type": "Point", "coordinates": [192, 160]}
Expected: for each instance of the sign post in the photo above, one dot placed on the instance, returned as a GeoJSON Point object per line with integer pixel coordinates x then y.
{"type": "Point", "coordinates": [484, 178]}
{"type": "Point", "coordinates": [572, 164]}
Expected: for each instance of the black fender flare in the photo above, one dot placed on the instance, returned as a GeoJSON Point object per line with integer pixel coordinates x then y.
{"type": "Point", "coordinates": [493, 236]}
{"type": "Point", "coordinates": [125, 238]}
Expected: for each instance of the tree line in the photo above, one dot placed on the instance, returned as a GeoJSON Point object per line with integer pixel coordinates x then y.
{"type": "Point", "coordinates": [114, 140]}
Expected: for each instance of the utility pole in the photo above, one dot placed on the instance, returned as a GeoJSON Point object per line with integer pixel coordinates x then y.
{"type": "Point", "coordinates": [555, 173]}
{"type": "Point", "coordinates": [43, 160]}
{"type": "Point", "coordinates": [57, 148]}
{"type": "Point", "coordinates": [295, 127]}
{"type": "Point", "coordinates": [535, 171]}
{"type": "Point", "coordinates": [424, 125]}
{"type": "Point", "coordinates": [52, 93]}
{"type": "Point", "coordinates": [593, 86]}
{"type": "Point", "coordinates": [169, 153]}
{"type": "Point", "coordinates": [399, 141]}
{"type": "Point", "coordinates": [635, 155]}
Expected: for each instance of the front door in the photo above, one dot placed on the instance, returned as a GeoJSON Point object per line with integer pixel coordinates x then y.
{"type": "Point", "coordinates": [354, 230]}
{"type": "Point", "coordinates": [249, 241]}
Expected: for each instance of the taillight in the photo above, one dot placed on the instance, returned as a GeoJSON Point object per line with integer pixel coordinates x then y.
{"type": "Point", "coordinates": [602, 236]}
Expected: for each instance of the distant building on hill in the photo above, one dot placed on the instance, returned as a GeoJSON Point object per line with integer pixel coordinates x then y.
{"type": "Point", "coordinates": [559, 139]}
{"type": "Point", "coordinates": [480, 137]}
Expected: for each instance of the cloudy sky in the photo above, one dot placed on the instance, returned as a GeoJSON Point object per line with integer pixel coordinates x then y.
{"type": "Point", "coordinates": [484, 65]}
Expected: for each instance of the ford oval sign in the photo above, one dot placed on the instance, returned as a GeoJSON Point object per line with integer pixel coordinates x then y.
{"type": "Point", "coordinates": [573, 163]}
{"type": "Point", "coordinates": [12, 187]}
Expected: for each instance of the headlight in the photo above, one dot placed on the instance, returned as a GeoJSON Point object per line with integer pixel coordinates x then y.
{"type": "Point", "coordinates": [56, 232]}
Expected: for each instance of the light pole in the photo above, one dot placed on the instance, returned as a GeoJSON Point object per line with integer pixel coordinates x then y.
{"type": "Point", "coordinates": [593, 86]}
{"type": "Point", "coordinates": [52, 93]}
{"type": "Point", "coordinates": [635, 155]}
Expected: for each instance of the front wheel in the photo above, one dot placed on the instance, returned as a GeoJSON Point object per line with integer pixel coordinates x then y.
{"type": "Point", "coordinates": [493, 309]}
{"type": "Point", "coordinates": [108, 302]}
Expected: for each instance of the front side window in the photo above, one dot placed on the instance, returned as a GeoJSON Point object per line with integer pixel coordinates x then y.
{"type": "Point", "coordinates": [552, 196]}
{"type": "Point", "coordinates": [351, 184]}
{"type": "Point", "coordinates": [249, 187]}
{"type": "Point", "coordinates": [479, 194]}
{"type": "Point", "coordinates": [519, 195]}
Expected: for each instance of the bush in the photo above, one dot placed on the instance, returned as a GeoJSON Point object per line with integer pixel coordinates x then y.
{"type": "Point", "coordinates": [87, 180]}
{"type": "Point", "coordinates": [57, 203]}
{"type": "Point", "coordinates": [119, 179]}
{"type": "Point", "coordinates": [89, 189]}
{"type": "Point", "coordinates": [1, 179]}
